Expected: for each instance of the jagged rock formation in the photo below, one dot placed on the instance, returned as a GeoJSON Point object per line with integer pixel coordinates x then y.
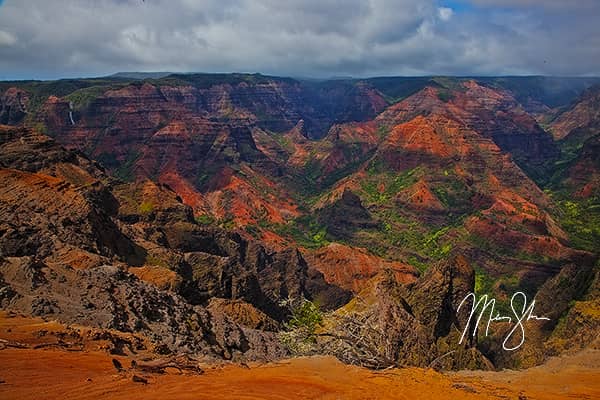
{"type": "Point", "coordinates": [430, 177]}
{"type": "Point", "coordinates": [109, 298]}
{"type": "Point", "coordinates": [415, 324]}
{"type": "Point", "coordinates": [13, 106]}
{"type": "Point", "coordinates": [580, 118]}
{"type": "Point", "coordinates": [352, 268]}
{"type": "Point", "coordinates": [204, 185]}
{"type": "Point", "coordinates": [345, 216]}
{"type": "Point", "coordinates": [570, 302]}
{"type": "Point", "coordinates": [66, 242]}
{"type": "Point", "coordinates": [578, 132]}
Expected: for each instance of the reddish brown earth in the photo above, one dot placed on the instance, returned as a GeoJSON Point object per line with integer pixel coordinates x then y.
{"type": "Point", "coordinates": [578, 129]}
{"type": "Point", "coordinates": [420, 197]}
{"type": "Point", "coordinates": [493, 113]}
{"type": "Point", "coordinates": [461, 140]}
{"type": "Point", "coordinates": [161, 277]}
{"type": "Point", "coordinates": [584, 113]}
{"type": "Point", "coordinates": [584, 174]}
{"type": "Point", "coordinates": [189, 135]}
{"type": "Point", "coordinates": [90, 374]}
{"type": "Point", "coordinates": [442, 172]}
{"type": "Point", "coordinates": [249, 200]}
{"type": "Point", "coordinates": [351, 268]}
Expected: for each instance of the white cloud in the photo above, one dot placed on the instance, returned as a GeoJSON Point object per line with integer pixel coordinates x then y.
{"type": "Point", "coordinates": [7, 39]}
{"type": "Point", "coordinates": [293, 37]}
{"type": "Point", "coordinates": [445, 13]}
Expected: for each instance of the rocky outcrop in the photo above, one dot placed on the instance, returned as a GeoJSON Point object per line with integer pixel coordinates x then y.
{"type": "Point", "coordinates": [580, 118]}
{"type": "Point", "coordinates": [211, 262]}
{"type": "Point", "coordinates": [14, 104]}
{"type": "Point", "coordinates": [410, 325]}
{"type": "Point", "coordinates": [555, 296]}
{"type": "Point", "coordinates": [44, 214]}
{"type": "Point", "coordinates": [435, 298]}
{"type": "Point", "coordinates": [492, 113]}
{"type": "Point", "coordinates": [345, 216]}
{"type": "Point", "coordinates": [109, 298]}
{"type": "Point", "coordinates": [217, 177]}
{"type": "Point", "coordinates": [194, 131]}
{"type": "Point", "coordinates": [583, 175]}
{"type": "Point", "coordinates": [219, 264]}
{"type": "Point", "coordinates": [434, 175]}
{"type": "Point", "coordinates": [577, 131]}
{"type": "Point", "coordinates": [69, 233]}
{"type": "Point", "coordinates": [570, 302]}
{"type": "Point", "coordinates": [579, 327]}
{"type": "Point", "coordinates": [352, 268]}
{"type": "Point", "coordinates": [244, 314]}
{"type": "Point", "coordinates": [274, 104]}
{"type": "Point", "coordinates": [38, 219]}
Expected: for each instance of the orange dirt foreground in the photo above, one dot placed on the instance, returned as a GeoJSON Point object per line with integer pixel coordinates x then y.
{"type": "Point", "coordinates": [53, 373]}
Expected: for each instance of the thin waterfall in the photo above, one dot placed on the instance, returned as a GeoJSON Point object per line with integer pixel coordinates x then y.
{"type": "Point", "coordinates": [71, 113]}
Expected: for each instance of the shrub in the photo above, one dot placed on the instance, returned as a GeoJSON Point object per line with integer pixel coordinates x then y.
{"type": "Point", "coordinates": [300, 331]}
{"type": "Point", "coordinates": [146, 207]}
{"type": "Point", "coordinates": [306, 316]}
{"type": "Point", "coordinates": [204, 219]}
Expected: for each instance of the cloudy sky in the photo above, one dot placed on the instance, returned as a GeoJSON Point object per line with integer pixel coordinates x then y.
{"type": "Point", "coordinates": [45, 39]}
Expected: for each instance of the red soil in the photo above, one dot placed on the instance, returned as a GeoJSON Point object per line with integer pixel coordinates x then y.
{"type": "Point", "coordinates": [351, 268]}
{"type": "Point", "coordinates": [89, 374]}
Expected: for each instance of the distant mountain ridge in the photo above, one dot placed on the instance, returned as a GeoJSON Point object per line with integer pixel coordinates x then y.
{"type": "Point", "coordinates": [140, 75]}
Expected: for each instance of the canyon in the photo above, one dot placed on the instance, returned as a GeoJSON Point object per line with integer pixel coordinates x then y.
{"type": "Point", "coordinates": [201, 215]}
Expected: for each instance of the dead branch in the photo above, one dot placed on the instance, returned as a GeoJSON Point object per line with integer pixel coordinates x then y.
{"type": "Point", "coordinates": [11, 343]}
{"type": "Point", "coordinates": [158, 366]}
{"type": "Point", "coordinates": [64, 345]}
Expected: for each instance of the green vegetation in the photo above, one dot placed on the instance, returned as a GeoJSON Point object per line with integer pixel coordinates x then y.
{"type": "Point", "coordinates": [552, 91]}
{"type": "Point", "coordinates": [305, 231]}
{"type": "Point", "coordinates": [312, 168]}
{"type": "Point", "coordinates": [383, 132]}
{"type": "Point", "coordinates": [453, 193]}
{"type": "Point", "coordinates": [146, 208]}
{"type": "Point", "coordinates": [39, 91]}
{"type": "Point", "coordinates": [486, 285]}
{"type": "Point", "coordinates": [305, 316]}
{"type": "Point", "coordinates": [206, 80]}
{"type": "Point", "coordinates": [488, 246]}
{"type": "Point", "coordinates": [108, 160]}
{"type": "Point", "coordinates": [398, 233]}
{"type": "Point", "coordinates": [125, 169]}
{"type": "Point", "coordinates": [445, 95]}
{"type": "Point", "coordinates": [418, 264]}
{"type": "Point", "coordinates": [505, 251]}
{"type": "Point", "coordinates": [41, 128]}
{"type": "Point", "coordinates": [375, 167]}
{"type": "Point", "coordinates": [450, 83]}
{"type": "Point", "coordinates": [82, 98]}
{"type": "Point", "coordinates": [226, 223]}
{"type": "Point", "coordinates": [401, 234]}
{"type": "Point", "coordinates": [284, 142]}
{"type": "Point", "coordinates": [205, 219]}
{"type": "Point", "coordinates": [483, 282]}
{"type": "Point", "coordinates": [581, 219]}
{"type": "Point", "coordinates": [300, 334]}
{"type": "Point", "coordinates": [152, 260]}
{"type": "Point", "coordinates": [391, 183]}
{"type": "Point", "coordinates": [431, 245]}
{"type": "Point", "coordinates": [253, 230]}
